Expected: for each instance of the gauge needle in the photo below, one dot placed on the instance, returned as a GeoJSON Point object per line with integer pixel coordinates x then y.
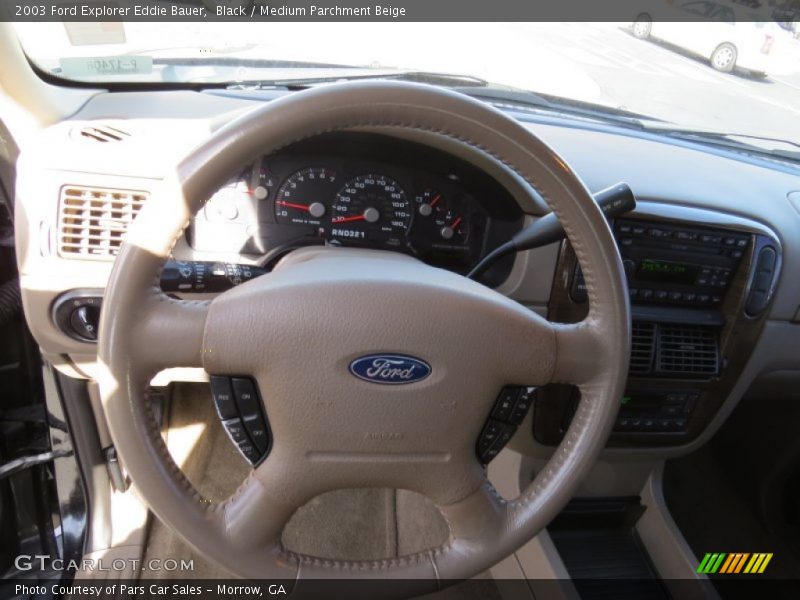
{"type": "Point", "coordinates": [292, 205]}
{"type": "Point", "coordinates": [435, 200]}
{"type": "Point", "coordinates": [347, 219]}
{"type": "Point", "coordinates": [456, 223]}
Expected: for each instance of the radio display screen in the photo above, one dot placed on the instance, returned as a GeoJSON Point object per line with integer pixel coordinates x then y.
{"type": "Point", "coordinates": [666, 271]}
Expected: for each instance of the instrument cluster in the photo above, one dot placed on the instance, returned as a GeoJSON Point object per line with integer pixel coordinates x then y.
{"type": "Point", "coordinates": [356, 191]}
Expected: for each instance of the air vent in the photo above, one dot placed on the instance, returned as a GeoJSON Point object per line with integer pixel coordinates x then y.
{"type": "Point", "coordinates": [92, 221]}
{"type": "Point", "coordinates": [102, 133]}
{"type": "Point", "coordinates": [643, 345]}
{"type": "Point", "coordinates": [687, 350]}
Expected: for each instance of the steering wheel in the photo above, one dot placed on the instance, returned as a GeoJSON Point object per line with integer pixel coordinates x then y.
{"type": "Point", "coordinates": [296, 330]}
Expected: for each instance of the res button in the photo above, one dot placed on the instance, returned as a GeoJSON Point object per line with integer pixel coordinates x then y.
{"type": "Point", "coordinates": [223, 397]}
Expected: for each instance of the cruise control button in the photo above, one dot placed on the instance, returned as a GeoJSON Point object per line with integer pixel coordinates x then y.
{"type": "Point", "coordinates": [258, 431]}
{"type": "Point", "coordinates": [223, 397]}
{"type": "Point", "coordinates": [250, 452]}
{"type": "Point", "coordinates": [244, 391]}
{"type": "Point", "coordinates": [236, 430]}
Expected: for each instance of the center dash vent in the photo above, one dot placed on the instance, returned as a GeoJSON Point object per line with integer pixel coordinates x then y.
{"type": "Point", "coordinates": [102, 133]}
{"type": "Point", "coordinates": [643, 347]}
{"type": "Point", "coordinates": [673, 350]}
{"type": "Point", "coordinates": [687, 350]}
{"type": "Point", "coordinates": [92, 221]}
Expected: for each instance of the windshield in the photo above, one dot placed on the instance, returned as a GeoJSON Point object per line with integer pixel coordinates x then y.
{"type": "Point", "coordinates": [672, 76]}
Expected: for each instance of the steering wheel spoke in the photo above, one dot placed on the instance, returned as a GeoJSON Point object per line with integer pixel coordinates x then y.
{"type": "Point", "coordinates": [582, 352]}
{"type": "Point", "coordinates": [170, 333]}
{"type": "Point", "coordinates": [477, 521]}
{"type": "Point", "coordinates": [254, 517]}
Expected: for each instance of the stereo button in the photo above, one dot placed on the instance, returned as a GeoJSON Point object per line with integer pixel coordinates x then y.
{"type": "Point", "coordinates": [505, 403]}
{"type": "Point", "coordinates": [490, 434]}
{"type": "Point", "coordinates": [522, 406]}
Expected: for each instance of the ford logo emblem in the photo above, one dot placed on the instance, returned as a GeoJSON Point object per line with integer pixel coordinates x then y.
{"type": "Point", "coordinates": [390, 369]}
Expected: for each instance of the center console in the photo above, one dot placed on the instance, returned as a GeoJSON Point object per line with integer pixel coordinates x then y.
{"type": "Point", "coordinates": [698, 296]}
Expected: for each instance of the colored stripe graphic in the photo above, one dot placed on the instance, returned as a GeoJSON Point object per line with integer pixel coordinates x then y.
{"type": "Point", "coordinates": [729, 563]}
{"type": "Point", "coordinates": [734, 563]}
{"type": "Point", "coordinates": [758, 563]}
{"type": "Point", "coordinates": [711, 562]}
{"type": "Point", "coordinates": [741, 562]}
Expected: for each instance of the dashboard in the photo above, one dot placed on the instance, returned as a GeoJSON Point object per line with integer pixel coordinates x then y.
{"type": "Point", "coordinates": [710, 252]}
{"type": "Point", "coordinates": [365, 191]}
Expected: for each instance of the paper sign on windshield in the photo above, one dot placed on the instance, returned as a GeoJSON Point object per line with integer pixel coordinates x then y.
{"type": "Point", "coordinates": [106, 65]}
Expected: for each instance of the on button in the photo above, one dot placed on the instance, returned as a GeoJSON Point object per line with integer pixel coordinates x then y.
{"type": "Point", "coordinates": [246, 397]}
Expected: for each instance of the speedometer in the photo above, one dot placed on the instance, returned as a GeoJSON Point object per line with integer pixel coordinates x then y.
{"type": "Point", "coordinates": [371, 208]}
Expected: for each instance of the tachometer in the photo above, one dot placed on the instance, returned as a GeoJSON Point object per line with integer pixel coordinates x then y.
{"type": "Point", "coordinates": [301, 198]}
{"type": "Point", "coordinates": [372, 208]}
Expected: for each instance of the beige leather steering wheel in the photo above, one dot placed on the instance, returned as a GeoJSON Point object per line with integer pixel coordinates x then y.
{"type": "Point", "coordinates": [296, 330]}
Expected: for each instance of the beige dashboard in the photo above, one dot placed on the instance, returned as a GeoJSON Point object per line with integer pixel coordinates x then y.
{"type": "Point", "coordinates": [118, 148]}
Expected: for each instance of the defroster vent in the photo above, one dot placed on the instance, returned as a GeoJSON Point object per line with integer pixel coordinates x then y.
{"type": "Point", "coordinates": [102, 133]}
{"type": "Point", "coordinates": [92, 221]}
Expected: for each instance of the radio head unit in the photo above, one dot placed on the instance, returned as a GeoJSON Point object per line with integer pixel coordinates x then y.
{"type": "Point", "coordinates": [674, 264]}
